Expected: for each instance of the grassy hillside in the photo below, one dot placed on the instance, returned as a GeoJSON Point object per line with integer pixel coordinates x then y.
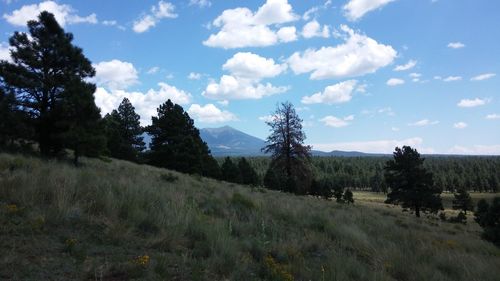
{"type": "Point", "coordinates": [119, 221]}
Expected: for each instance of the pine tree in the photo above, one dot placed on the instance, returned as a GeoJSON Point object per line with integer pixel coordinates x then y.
{"type": "Point", "coordinates": [290, 157]}
{"type": "Point", "coordinates": [13, 122]}
{"type": "Point", "coordinates": [248, 174]}
{"type": "Point", "coordinates": [176, 143]}
{"type": "Point", "coordinates": [45, 65]}
{"type": "Point", "coordinates": [124, 132]}
{"type": "Point", "coordinates": [410, 183]}
{"type": "Point", "coordinates": [230, 171]}
{"type": "Point", "coordinates": [348, 196]}
{"type": "Point", "coordinates": [488, 217]}
{"type": "Point", "coordinates": [463, 201]}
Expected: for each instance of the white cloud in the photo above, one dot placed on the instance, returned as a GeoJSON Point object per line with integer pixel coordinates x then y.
{"type": "Point", "coordinates": [64, 14]}
{"type": "Point", "coordinates": [377, 146]}
{"type": "Point", "coordinates": [200, 3]}
{"type": "Point", "coordinates": [395, 129]}
{"type": "Point", "coordinates": [437, 77]}
{"type": "Point", "coordinates": [460, 125]}
{"type": "Point", "coordinates": [423, 122]}
{"type": "Point", "coordinates": [246, 72]}
{"type": "Point", "coordinates": [313, 12]}
{"type": "Point", "coordinates": [252, 66]}
{"type": "Point", "coordinates": [452, 78]}
{"type": "Point", "coordinates": [144, 103]}
{"type": "Point", "coordinates": [153, 70]}
{"type": "Point", "coordinates": [287, 34]}
{"type": "Point", "coordinates": [493, 116]}
{"type": "Point", "coordinates": [313, 29]}
{"type": "Point", "coordinates": [267, 118]}
{"type": "Point", "coordinates": [482, 77]}
{"type": "Point", "coordinates": [415, 75]}
{"type": "Point", "coordinates": [335, 122]}
{"type": "Point", "coordinates": [476, 149]}
{"type": "Point", "coordinates": [409, 65]}
{"type": "Point", "coordinates": [241, 27]}
{"type": "Point", "coordinates": [359, 55]}
{"type": "Point", "coordinates": [456, 45]}
{"type": "Point", "coordinates": [115, 74]}
{"type": "Point", "coordinates": [356, 9]}
{"type": "Point", "coordinates": [230, 87]}
{"type": "Point", "coordinates": [5, 52]}
{"type": "Point", "coordinates": [158, 12]}
{"type": "Point", "coordinates": [109, 22]}
{"type": "Point", "coordinates": [472, 103]}
{"type": "Point", "coordinates": [338, 93]}
{"type": "Point", "coordinates": [210, 114]}
{"type": "Point", "coordinates": [194, 76]}
{"type": "Point", "coordinates": [395, 82]}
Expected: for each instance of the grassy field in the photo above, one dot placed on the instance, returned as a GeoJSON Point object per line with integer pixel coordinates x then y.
{"type": "Point", "coordinates": [114, 220]}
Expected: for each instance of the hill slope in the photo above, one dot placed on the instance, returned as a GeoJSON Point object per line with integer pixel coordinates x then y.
{"type": "Point", "coordinates": [122, 221]}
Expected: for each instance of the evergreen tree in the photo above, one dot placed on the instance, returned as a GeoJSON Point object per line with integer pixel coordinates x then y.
{"type": "Point", "coordinates": [248, 174]}
{"type": "Point", "coordinates": [348, 196]}
{"type": "Point", "coordinates": [410, 183]}
{"type": "Point", "coordinates": [124, 132]}
{"type": "Point", "coordinates": [176, 143]}
{"type": "Point", "coordinates": [462, 201]}
{"type": "Point", "coordinates": [322, 188]}
{"type": "Point", "coordinates": [45, 65]}
{"type": "Point", "coordinates": [337, 193]}
{"type": "Point", "coordinates": [290, 157]}
{"type": "Point", "coordinates": [488, 217]}
{"type": "Point", "coordinates": [230, 171]}
{"type": "Point", "coordinates": [13, 122]}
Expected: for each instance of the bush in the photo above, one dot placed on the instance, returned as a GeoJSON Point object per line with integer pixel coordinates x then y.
{"type": "Point", "coordinates": [488, 217]}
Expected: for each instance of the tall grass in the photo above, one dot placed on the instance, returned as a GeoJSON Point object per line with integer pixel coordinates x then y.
{"type": "Point", "coordinates": [101, 220]}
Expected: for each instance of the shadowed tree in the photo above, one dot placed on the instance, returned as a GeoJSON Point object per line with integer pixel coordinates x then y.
{"type": "Point", "coordinates": [290, 163]}
{"type": "Point", "coordinates": [230, 171]}
{"type": "Point", "coordinates": [488, 217]}
{"type": "Point", "coordinates": [410, 183]}
{"type": "Point", "coordinates": [124, 132]}
{"type": "Point", "coordinates": [45, 64]}
{"type": "Point", "coordinates": [463, 201]}
{"type": "Point", "coordinates": [348, 196]}
{"type": "Point", "coordinates": [13, 122]}
{"type": "Point", "coordinates": [248, 174]}
{"type": "Point", "coordinates": [176, 143]}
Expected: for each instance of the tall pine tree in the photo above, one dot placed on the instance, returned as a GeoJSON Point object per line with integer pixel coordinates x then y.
{"type": "Point", "coordinates": [176, 143]}
{"type": "Point", "coordinates": [46, 69]}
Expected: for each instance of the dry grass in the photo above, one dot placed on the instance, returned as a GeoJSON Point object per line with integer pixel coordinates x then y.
{"type": "Point", "coordinates": [121, 221]}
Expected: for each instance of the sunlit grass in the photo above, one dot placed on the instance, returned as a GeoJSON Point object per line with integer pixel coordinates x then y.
{"type": "Point", "coordinates": [119, 221]}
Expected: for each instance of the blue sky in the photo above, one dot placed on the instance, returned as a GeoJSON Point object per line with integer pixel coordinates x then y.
{"type": "Point", "coordinates": [364, 75]}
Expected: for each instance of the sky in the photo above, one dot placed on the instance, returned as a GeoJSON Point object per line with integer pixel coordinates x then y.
{"type": "Point", "coordinates": [364, 75]}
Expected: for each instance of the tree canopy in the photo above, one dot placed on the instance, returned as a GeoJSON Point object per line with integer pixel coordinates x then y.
{"type": "Point", "coordinates": [176, 143]}
{"type": "Point", "coordinates": [411, 184]}
{"type": "Point", "coordinates": [290, 168]}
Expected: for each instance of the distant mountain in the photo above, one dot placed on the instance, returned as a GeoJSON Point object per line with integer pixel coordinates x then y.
{"type": "Point", "coordinates": [227, 141]}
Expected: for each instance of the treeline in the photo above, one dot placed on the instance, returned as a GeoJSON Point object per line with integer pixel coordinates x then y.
{"type": "Point", "coordinates": [472, 173]}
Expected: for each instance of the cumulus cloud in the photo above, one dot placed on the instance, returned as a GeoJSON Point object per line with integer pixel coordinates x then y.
{"type": "Point", "coordinates": [423, 122]}
{"type": "Point", "coordinates": [493, 116]}
{"type": "Point", "coordinates": [115, 74]}
{"type": "Point", "coordinates": [144, 103]}
{"type": "Point", "coordinates": [314, 29]}
{"type": "Point", "coordinates": [241, 27]}
{"type": "Point", "coordinates": [287, 34]}
{"type": "Point", "coordinates": [472, 102]}
{"type": "Point", "coordinates": [476, 149]}
{"type": "Point", "coordinates": [395, 82]}
{"type": "Point", "coordinates": [210, 114]}
{"type": "Point", "coordinates": [338, 93]}
{"type": "Point", "coordinates": [246, 71]}
{"type": "Point", "coordinates": [356, 9]}
{"type": "Point", "coordinates": [158, 12]}
{"type": "Point", "coordinates": [456, 45]}
{"type": "Point", "coordinates": [64, 14]}
{"type": "Point", "coordinates": [200, 3]}
{"type": "Point", "coordinates": [482, 77]}
{"type": "Point", "coordinates": [357, 56]}
{"type": "Point", "coordinates": [252, 66]}
{"type": "Point", "coordinates": [376, 146]}
{"type": "Point", "coordinates": [409, 65]}
{"type": "Point", "coordinates": [460, 125]}
{"type": "Point", "coordinates": [335, 122]}
{"type": "Point", "coordinates": [194, 76]}
{"type": "Point", "coordinates": [452, 78]}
